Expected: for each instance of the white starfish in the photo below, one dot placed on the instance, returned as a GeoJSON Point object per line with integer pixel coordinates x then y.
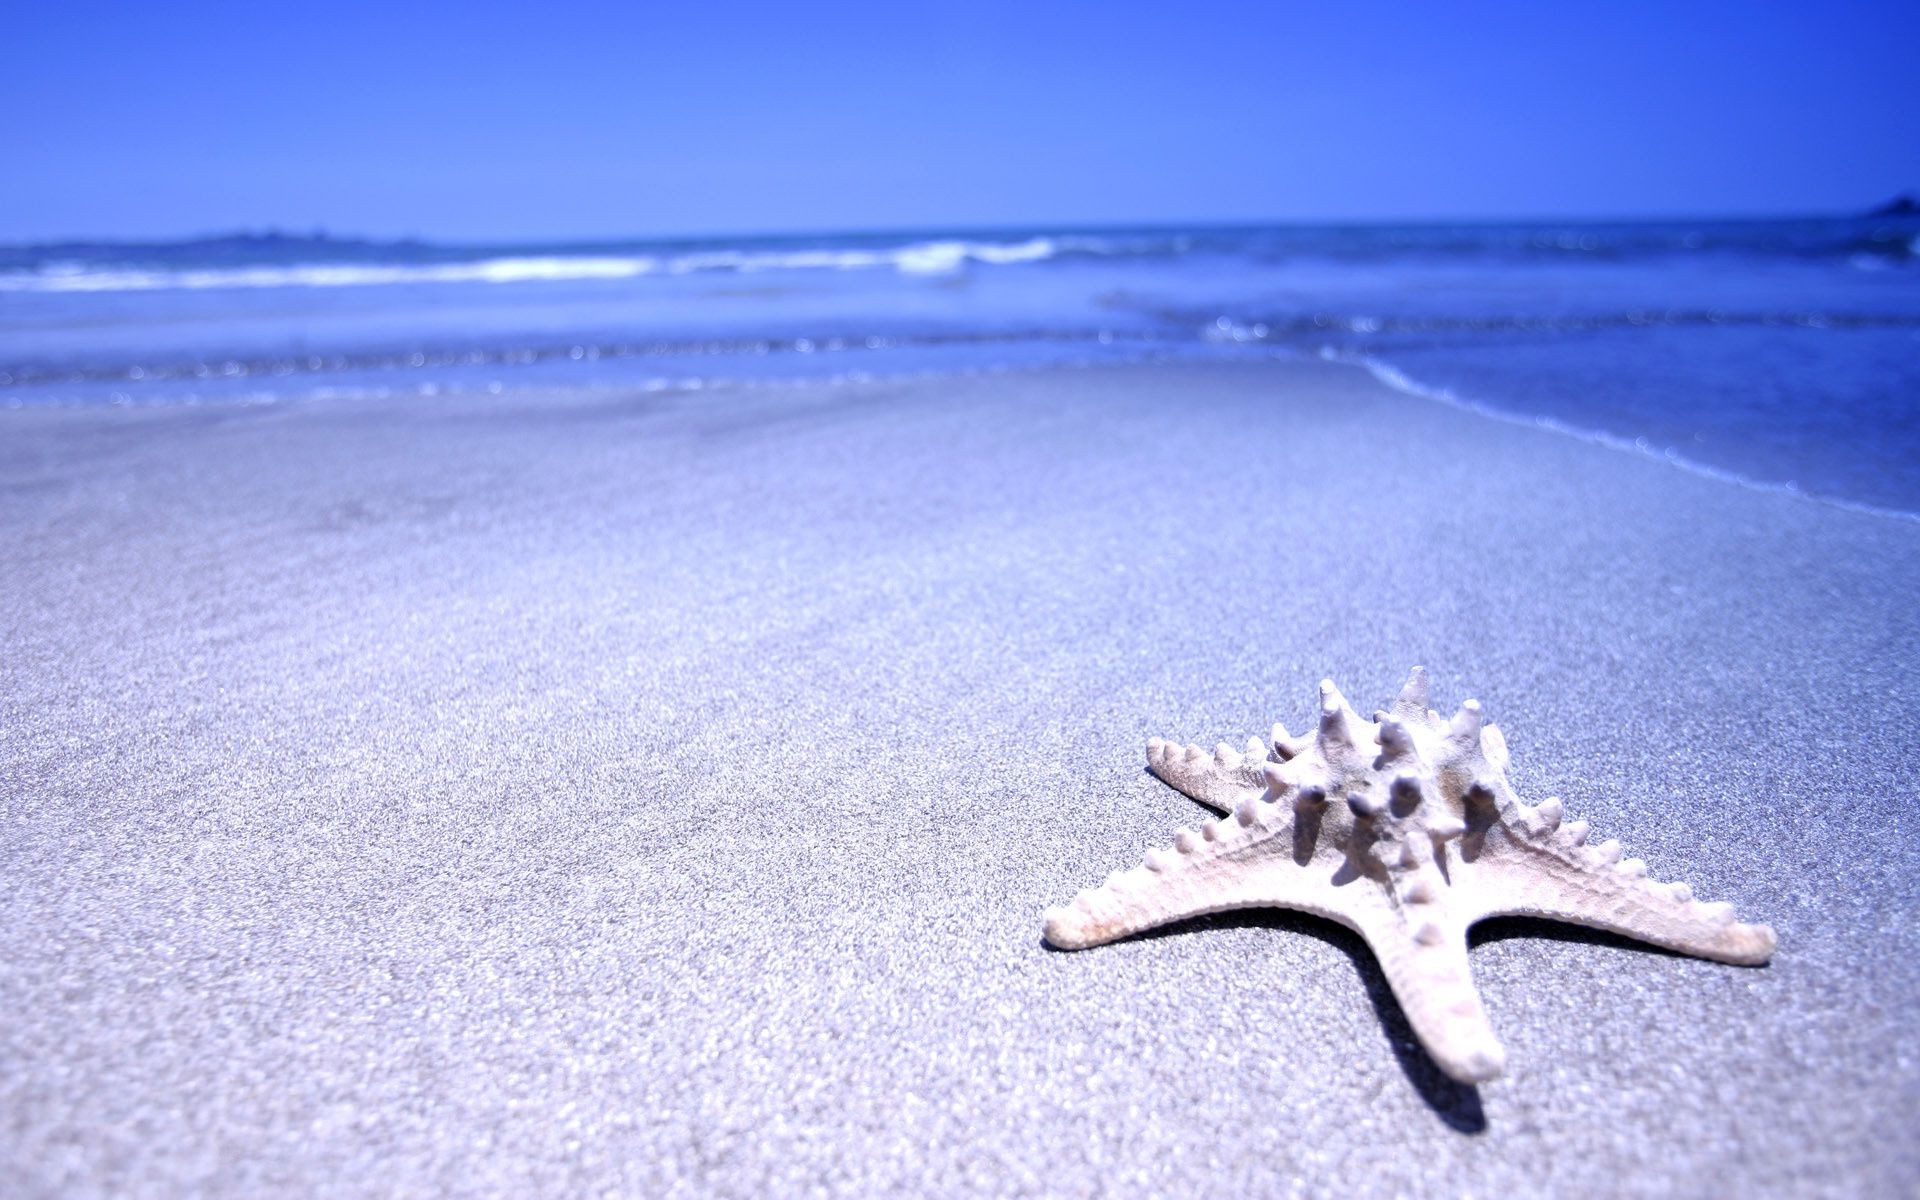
{"type": "Point", "coordinates": [1405, 830]}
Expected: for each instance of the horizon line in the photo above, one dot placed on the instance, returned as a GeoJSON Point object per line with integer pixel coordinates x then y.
{"type": "Point", "coordinates": [320, 233]}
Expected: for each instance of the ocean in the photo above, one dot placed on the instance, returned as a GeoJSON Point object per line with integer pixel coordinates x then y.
{"type": "Point", "coordinates": [1780, 354]}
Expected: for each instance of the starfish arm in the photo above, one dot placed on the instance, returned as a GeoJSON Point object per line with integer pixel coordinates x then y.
{"type": "Point", "coordinates": [1541, 870]}
{"type": "Point", "coordinates": [1243, 861]}
{"type": "Point", "coordinates": [1221, 780]}
{"type": "Point", "coordinates": [1425, 962]}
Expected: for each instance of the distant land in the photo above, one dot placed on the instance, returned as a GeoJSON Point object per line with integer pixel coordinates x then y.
{"type": "Point", "coordinates": [240, 245]}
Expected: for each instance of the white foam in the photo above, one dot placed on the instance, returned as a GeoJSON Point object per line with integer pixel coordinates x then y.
{"type": "Point", "coordinates": [1399, 381]}
{"type": "Point", "coordinates": [491, 270]}
{"type": "Point", "coordinates": [916, 258]}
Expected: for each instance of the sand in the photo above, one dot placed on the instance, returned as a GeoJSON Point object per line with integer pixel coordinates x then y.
{"type": "Point", "coordinates": [585, 794]}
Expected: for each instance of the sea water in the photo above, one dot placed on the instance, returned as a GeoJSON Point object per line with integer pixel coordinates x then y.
{"type": "Point", "coordinates": [1781, 354]}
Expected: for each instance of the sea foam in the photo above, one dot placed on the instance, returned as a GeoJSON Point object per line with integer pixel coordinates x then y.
{"type": "Point", "coordinates": [914, 258]}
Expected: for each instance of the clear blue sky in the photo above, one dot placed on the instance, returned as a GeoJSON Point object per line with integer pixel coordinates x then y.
{"type": "Point", "coordinates": [568, 118]}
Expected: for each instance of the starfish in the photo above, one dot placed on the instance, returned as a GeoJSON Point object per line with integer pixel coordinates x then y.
{"type": "Point", "coordinates": [1405, 830]}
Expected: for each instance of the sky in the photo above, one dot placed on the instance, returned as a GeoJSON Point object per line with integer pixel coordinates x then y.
{"type": "Point", "coordinates": [569, 119]}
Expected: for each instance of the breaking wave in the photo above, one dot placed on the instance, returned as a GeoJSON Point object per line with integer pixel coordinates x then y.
{"type": "Point", "coordinates": [914, 258]}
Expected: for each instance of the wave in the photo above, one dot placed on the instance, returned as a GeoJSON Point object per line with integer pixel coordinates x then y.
{"type": "Point", "coordinates": [1400, 381]}
{"type": "Point", "coordinates": [525, 354]}
{"type": "Point", "coordinates": [915, 258]}
{"type": "Point", "coordinates": [1171, 327]}
{"type": "Point", "coordinates": [63, 277]}
{"type": "Point", "coordinates": [1281, 327]}
{"type": "Point", "coordinates": [271, 260]}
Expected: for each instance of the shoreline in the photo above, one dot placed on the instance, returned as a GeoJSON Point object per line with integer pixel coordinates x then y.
{"type": "Point", "coordinates": [1400, 381]}
{"type": "Point", "coordinates": [661, 791]}
{"type": "Point", "coordinates": [1174, 354]}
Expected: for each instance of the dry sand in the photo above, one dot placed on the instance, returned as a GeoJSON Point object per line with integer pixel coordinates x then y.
{"type": "Point", "coordinates": [658, 795]}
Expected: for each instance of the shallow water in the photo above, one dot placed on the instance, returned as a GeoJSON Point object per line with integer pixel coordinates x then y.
{"type": "Point", "coordinates": [1782, 353]}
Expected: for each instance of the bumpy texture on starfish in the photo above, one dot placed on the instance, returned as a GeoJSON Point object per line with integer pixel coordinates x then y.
{"type": "Point", "coordinates": [1405, 830]}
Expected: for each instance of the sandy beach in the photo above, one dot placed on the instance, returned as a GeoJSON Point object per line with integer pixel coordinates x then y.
{"type": "Point", "coordinates": [658, 794]}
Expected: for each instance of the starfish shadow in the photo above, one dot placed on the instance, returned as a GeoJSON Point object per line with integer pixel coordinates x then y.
{"type": "Point", "coordinates": [1457, 1104]}
{"type": "Point", "coordinates": [1502, 929]}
